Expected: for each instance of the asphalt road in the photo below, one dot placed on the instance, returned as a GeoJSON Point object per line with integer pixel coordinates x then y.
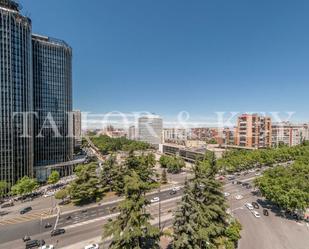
{"type": "Point", "coordinates": [80, 233]}
{"type": "Point", "coordinates": [267, 232]}
{"type": "Point", "coordinates": [18, 231]}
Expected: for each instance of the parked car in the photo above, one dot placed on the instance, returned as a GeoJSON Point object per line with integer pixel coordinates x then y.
{"type": "Point", "coordinates": [249, 206]}
{"type": "Point", "coordinates": [256, 214]}
{"type": "Point", "coordinates": [173, 192]}
{"type": "Point", "coordinates": [177, 188]}
{"type": "Point", "coordinates": [255, 205]}
{"type": "Point", "coordinates": [34, 243]}
{"type": "Point", "coordinates": [226, 194]}
{"type": "Point", "coordinates": [25, 210]}
{"type": "Point", "coordinates": [8, 204]}
{"type": "Point", "coordinates": [2, 213]}
{"type": "Point", "coordinates": [56, 232]}
{"type": "Point", "coordinates": [265, 212]}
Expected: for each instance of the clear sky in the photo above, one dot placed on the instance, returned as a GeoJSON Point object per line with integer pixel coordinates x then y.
{"type": "Point", "coordinates": [166, 56]}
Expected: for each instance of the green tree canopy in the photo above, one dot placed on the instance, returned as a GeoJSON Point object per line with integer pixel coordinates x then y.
{"type": "Point", "coordinates": [24, 186]}
{"type": "Point", "coordinates": [61, 194]}
{"type": "Point", "coordinates": [132, 229]}
{"type": "Point", "coordinates": [86, 187]}
{"type": "Point", "coordinates": [54, 177]}
{"type": "Point", "coordinates": [3, 188]}
{"type": "Point", "coordinates": [173, 164]}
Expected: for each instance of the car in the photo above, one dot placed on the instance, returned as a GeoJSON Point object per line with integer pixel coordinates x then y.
{"type": "Point", "coordinates": [47, 247]}
{"type": "Point", "coordinates": [92, 246]}
{"type": "Point", "coordinates": [64, 202]}
{"type": "Point", "coordinates": [230, 178]}
{"type": "Point", "coordinates": [84, 211]}
{"type": "Point", "coordinates": [244, 184]}
{"type": "Point", "coordinates": [25, 210]}
{"type": "Point", "coordinates": [2, 213]}
{"type": "Point", "coordinates": [155, 199]}
{"type": "Point", "coordinates": [248, 186]}
{"type": "Point", "coordinates": [8, 204]}
{"type": "Point", "coordinates": [56, 232]}
{"type": "Point", "coordinates": [48, 225]}
{"type": "Point", "coordinates": [226, 194]}
{"type": "Point", "coordinates": [173, 192]}
{"type": "Point", "coordinates": [251, 170]}
{"type": "Point", "coordinates": [26, 238]}
{"type": "Point", "coordinates": [249, 206]}
{"type": "Point", "coordinates": [257, 174]}
{"type": "Point", "coordinates": [239, 182]}
{"type": "Point", "coordinates": [265, 212]}
{"type": "Point", "coordinates": [34, 243]}
{"type": "Point", "coordinates": [238, 197]}
{"type": "Point", "coordinates": [68, 217]}
{"type": "Point", "coordinates": [176, 189]}
{"type": "Point", "coordinates": [256, 214]}
{"type": "Point", "coordinates": [255, 205]}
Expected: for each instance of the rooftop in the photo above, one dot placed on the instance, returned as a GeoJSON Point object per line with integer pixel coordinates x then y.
{"type": "Point", "coordinates": [10, 4]}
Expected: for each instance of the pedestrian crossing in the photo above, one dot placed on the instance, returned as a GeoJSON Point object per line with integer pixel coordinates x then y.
{"type": "Point", "coordinates": [25, 218]}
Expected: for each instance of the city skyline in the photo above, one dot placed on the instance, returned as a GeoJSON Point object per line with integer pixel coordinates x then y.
{"type": "Point", "coordinates": [229, 60]}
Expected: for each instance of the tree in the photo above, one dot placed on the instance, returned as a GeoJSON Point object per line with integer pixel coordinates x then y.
{"type": "Point", "coordinates": [110, 174]}
{"type": "Point", "coordinates": [86, 187]}
{"type": "Point", "coordinates": [61, 194]}
{"type": "Point", "coordinates": [54, 177]}
{"type": "Point", "coordinates": [24, 186]}
{"type": "Point", "coordinates": [201, 218]}
{"type": "Point", "coordinates": [172, 163]}
{"type": "Point", "coordinates": [3, 188]}
{"type": "Point", "coordinates": [132, 229]}
{"type": "Point", "coordinates": [164, 177]}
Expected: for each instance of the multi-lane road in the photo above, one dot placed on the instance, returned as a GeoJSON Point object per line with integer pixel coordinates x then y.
{"type": "Point", "coordinates": [84, 227]}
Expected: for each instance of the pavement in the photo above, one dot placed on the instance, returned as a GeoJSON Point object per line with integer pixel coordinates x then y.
{"type": "Point", "coordinates": [267, 232]}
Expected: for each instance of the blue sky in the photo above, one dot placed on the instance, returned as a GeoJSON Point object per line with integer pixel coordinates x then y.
{"type": "Point", "coordinates": [201, 56]}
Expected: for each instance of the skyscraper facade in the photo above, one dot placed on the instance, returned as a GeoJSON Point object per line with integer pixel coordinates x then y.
{"type": "Point", "coordinates": [150, 129]}
{"type": "Point", "coordinates": [52, 83]}
{"type": "Point", "coordinates": [16, 86]}
{"type": "Point", "coordinates": [35, 78]}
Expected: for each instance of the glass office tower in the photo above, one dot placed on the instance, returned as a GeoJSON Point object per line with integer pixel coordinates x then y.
{"type": "Point", "coordinates": [52, 82]}
{"type": "Point", "coordinates": [16, 148]}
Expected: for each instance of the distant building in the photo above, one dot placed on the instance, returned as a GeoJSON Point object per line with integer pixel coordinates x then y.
{"type": "Point", "coordinates": [175, 135]}
{"type": "Point", "coordinates": [150, 129]}
{"type": "Point", "coordinates": [289, 134]}
{"type": "Point", "coordinates": [77, 129]}
{"type": "Point", "coordinates": [132, 133]}
{"type": "Point", "coordinates": [253, 131]}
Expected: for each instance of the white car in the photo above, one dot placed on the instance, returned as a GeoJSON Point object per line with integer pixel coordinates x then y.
{"type": "Point", "coordinates": [226, 194]}
{"type": "Point", "coordinates": [92, 246]}
{"type": "Point", "coordinates": [238, 197]}
{"type": "Point", "coordinates": [155, 199]}
{"type": "Point", "coordinates": [47, 247]}
{"type": "Point", "coordinates": [48, 194]}
{"type": "Point", "coordinates": [257, 173]}
{"type": "Point", "coordinates": [176, 189]}
{"type": "Point", "coordinates": [249, 206]}
{"type": "Point", "coordinates": [256, 214]}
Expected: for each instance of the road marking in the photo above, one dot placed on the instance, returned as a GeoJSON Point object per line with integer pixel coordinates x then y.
{"type": "Point", "coordinates": [24, 218]}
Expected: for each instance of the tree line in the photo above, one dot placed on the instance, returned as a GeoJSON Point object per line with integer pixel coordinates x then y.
{"type": "Point", "coordinates": [288, 187]}
{"type": "Point", "coordinates": [108, 145]}
{"type": "Point", "coordinates": [238, 160]}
